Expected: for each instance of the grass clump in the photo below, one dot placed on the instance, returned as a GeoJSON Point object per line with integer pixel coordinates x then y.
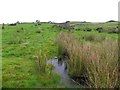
{"type": "Point", "coordinates": [98, 62]}
{"type": "Point", "coordinates": [41, 62]}
{"type": "Point", "coordinates": [101, 63]}
{"type": "Point", "coordinates": [70, 48]}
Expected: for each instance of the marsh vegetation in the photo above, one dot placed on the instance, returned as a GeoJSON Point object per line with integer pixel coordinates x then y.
{"type": "Point", "coordinates": [90, 51]}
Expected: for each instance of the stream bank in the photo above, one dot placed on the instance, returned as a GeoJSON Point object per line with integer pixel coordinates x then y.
{"type": "Point", "coordinates": [60, 67]}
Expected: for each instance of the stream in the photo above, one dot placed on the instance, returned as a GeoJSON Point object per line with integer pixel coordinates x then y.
{"type": "Point", "coordinates": [61, 69]}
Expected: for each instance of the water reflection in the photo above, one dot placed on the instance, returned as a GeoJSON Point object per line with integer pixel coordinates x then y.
{"type": "Point", "coordinates": [60, 62]}
{"type": "Point", "coordinates": [61, 69]}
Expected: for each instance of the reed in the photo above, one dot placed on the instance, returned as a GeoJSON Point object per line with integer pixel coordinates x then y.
{"type": "Point", "coordinates": [96, 61]}
{"type": "Point", "coordinates": [72, 47]}
{"type": "Point", "coordinates": [41, 61]}
{"type": "Point", "coordinates": [102, 65]}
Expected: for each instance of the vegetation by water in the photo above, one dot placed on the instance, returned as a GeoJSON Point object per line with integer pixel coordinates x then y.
{"type": "Point", "coordinates": [97, 61]}
{"type": "Point", "coordinates": [26, 47]}
{"type": "Point", "coordinates": [20, 49]}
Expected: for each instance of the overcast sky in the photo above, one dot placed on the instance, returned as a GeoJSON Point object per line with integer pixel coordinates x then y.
{"type": "Point", "coordinates": [58, 10]}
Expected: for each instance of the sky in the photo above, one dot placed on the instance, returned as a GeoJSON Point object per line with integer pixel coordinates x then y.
{"type": "Point", "coordinates": [58, 10]}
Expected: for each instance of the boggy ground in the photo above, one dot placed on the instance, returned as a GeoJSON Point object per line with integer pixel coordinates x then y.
{"type": "Point", "coordinates": [25, 44]}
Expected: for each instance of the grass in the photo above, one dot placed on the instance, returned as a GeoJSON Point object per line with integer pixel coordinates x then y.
{"type": "Point", "coordinates": [18, 52]}
{"type": "Point", "coordinates": [24, 75]}
{"type": "Point", "coordinates": [103, 65]}
{"type": "Point", "coordinates": [0, 56]}
{"type": "Point", "coordinates": [96, 61]}
{"type": "Point", "coordinates": [41, 62]}
{"type": "Point", "coordinates": [25, 44]}
{"type": "Point", "coordinates": [106, 26]}
{"type": "Point", "coordinates": [28, 39]}
{"type": "Point", "coordinates": [18, 72]}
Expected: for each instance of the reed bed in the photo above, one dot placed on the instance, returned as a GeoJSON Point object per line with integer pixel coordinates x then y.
{"type": "Point", "coordinates": [96, 61]}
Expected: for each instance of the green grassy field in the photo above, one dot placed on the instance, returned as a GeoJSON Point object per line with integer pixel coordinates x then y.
{"type": "Point", "coordinates": [22, 43]}
{"type": "Point", "coordinates": [18, 52]}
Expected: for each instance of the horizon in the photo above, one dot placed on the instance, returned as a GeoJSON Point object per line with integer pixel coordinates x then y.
{"type": "Point", "coordinates": [56, 22]}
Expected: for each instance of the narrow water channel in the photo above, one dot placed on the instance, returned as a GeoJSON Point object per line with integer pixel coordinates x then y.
{"type": "Point", "coordinates": [60, 68]}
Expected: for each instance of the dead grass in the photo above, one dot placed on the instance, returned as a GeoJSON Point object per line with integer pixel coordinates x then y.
{"type": "Point", "coordinates": [96, 61]}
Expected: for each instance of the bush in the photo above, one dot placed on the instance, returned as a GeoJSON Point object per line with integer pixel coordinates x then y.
{"type": "Point", "coordinates": [88, 29]}
{"type": "Point", "coordinates": [113, 30]}
{"type": "Point", "coordinates": [38, 31]}
{"type": "Point", "coordinates": [93, 37]}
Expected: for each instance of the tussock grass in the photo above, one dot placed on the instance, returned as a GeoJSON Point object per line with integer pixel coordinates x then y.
{"type": "Point", "coordinates": [102, 64]}
{"type": "Point", "coordinates": [96, 61]}
{"type": "Point", "coordinates": [41, 61]}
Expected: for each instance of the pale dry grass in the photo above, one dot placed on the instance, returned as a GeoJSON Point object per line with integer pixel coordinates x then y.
{"type": "Point", "coordinates": [97, 61]}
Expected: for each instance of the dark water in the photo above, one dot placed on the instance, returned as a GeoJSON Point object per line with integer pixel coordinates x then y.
{"type": "Point", "coordinates": [60, 68]}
